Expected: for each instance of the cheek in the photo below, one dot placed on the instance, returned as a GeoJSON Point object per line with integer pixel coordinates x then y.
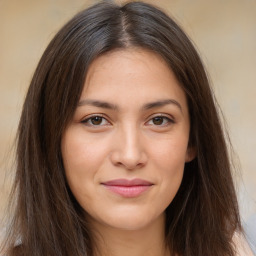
{"type": "Point", "coordinates": [81, 161]}
{"type": "Point", "coordinates": [169, 161]}
{"type": "Point", "coordinates": [170, 153]}
{"type": "Point", "coordinates": [80, 153]}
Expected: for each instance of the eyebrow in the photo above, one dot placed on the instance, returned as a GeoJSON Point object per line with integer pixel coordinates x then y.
{"type": "Point", "coordinates": [161, 103]}
{"type": "Point", "coordinates": [97, 103]}
{"type": "Point", "coordinates": [150, 105]}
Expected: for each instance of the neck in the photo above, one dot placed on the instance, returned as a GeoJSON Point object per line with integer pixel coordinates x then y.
{"type": "Point", "coordinates": [147, 241]}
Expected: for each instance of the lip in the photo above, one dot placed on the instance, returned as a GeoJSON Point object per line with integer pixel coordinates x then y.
{"type": "Point", "coordinates": [128, 188]}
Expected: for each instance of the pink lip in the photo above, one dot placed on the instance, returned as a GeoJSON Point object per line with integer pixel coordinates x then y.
{"type": "Point", "coordinates": [128, 188]}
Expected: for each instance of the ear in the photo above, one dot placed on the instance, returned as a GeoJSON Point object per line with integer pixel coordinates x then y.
{"type": "Point", "coordinates": [190, 154]}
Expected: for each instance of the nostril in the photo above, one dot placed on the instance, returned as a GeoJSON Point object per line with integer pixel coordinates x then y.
{"type": "Point", "coordinates": [130, 164]}
{"type": "Point", "coordinates": [129, 155]}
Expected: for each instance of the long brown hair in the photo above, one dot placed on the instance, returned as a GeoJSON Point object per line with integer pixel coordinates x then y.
{"type": "Point", "coordinates": [203, 216]}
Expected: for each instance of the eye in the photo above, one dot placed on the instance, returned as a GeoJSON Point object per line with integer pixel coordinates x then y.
{"type": "Point", "coordinates": [95, 121]}
{"type": "Point", "coordinates": [160, 121]}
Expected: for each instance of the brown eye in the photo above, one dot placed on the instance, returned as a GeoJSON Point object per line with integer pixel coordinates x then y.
{"type": "Point", "coordinates": [97, 120]}
{"type": "Point", "coordinates": [161, 121]}
{"type": "Point", "coordinates": [158, 120]}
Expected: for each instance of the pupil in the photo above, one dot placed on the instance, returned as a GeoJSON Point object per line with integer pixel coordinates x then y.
{"type": "Point", "coordinates": [96, 120]}
{"type": "Point", "coordinates": [157, 120]}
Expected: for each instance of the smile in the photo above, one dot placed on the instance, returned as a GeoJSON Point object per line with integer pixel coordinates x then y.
{"type": "Point", "coordinates": [128, 188]}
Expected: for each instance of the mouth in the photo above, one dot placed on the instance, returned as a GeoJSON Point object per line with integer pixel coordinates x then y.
{"type": "Point", "coordinates": [128, 188]}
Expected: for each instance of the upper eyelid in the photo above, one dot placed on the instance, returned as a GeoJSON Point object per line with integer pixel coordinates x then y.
{"type": "Point", "coordinates": [169, 121]}
{"type": "Point", "coordinates": [88, 117]}
{"type": "Point", "coordinates": [94, 115]}
{"type": "Point", "coordinates": [108, 119]}
{"type": "Point", "coordinates": [150, 116]}
{"type": "Point", "coordinates": [171, 117]}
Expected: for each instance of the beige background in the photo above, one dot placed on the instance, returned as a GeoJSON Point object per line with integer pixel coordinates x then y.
{"type": "Point", "coordinates": [223, 30]}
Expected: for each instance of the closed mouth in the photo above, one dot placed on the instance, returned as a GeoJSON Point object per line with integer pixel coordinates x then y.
{"type": "Point", "coordinates": [128, 188]}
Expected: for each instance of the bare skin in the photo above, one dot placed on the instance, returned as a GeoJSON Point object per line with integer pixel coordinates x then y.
{"type": "Point", "coordinates": [131, 123]}
{"type": "Point", "coordinates": [146, 242]}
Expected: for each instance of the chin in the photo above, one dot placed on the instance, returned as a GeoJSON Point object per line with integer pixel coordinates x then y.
{"type": "Point", "coordinates": [130, 224]}
{"type": "Point", "coordinates": [131, 221]}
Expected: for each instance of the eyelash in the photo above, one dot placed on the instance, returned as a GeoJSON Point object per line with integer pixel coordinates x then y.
{"type": "Point", "coordinates": [168, 121]}
{"type": "Point", "coordinates": [88, 121]}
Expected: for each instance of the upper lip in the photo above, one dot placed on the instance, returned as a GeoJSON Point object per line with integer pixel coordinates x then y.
{"type": "Point", "coordinates": [127, 183]}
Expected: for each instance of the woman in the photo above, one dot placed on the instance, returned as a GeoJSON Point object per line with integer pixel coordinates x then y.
{"type": "Point", "coordinates": [120, 147]}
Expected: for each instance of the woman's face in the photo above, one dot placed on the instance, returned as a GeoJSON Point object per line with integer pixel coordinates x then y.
{"type": "Point", "coordinates": [125, 149]}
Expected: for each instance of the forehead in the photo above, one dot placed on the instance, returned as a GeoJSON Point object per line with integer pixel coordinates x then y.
{"type": "Point", "coordinates": [131, 63]}
{"type": "Point", "coordinates": [135, 74]}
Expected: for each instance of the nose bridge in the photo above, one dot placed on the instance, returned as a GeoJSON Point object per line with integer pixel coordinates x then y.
{"type": "Point", "coordinates": [131, 141]}
{"type": "Point", "coordinates": [130, 149]}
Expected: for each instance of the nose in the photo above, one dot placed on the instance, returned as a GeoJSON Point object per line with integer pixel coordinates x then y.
{"type": "Point", "coordinates": [129, 151]}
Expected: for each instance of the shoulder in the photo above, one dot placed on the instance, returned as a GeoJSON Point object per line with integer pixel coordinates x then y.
{"type": "Point", "coordinates": [241, 245]}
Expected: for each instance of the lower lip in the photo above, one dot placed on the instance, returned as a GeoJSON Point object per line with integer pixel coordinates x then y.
{"type": "Point", "coordinates": [128, 191]}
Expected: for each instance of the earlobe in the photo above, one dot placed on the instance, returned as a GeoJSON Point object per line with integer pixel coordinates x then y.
{"type": "Point", "coordinates": [190, 154]}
